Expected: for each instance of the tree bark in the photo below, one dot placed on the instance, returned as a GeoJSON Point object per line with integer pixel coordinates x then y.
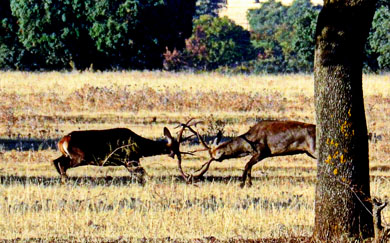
{"type": "Point", "coordinates": [342, 206]}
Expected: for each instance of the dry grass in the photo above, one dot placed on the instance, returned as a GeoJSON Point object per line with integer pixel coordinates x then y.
{"type": "Point", "coordinates": [103, 204]}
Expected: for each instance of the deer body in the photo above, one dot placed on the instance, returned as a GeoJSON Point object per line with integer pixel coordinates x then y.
{"type": "Point", "coordinates": [265, 139]}
{"type": "Point", "coordinates": [270, 138]}
{"type": "Point", "coordinates": [114, 147]}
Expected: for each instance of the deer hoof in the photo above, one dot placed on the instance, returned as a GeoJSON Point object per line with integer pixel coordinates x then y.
{"type": "Point", "coordinates": [141, 178]}
{"type": "Point", "coordinates": [64, 179]}
{"type": "Point", "coordinates": [189, 179]}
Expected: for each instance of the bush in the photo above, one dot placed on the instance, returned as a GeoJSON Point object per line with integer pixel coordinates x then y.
{"type": "Point", "coordinates": [173, 60]}
{"type": "Point", "coordinates": [216, 42]}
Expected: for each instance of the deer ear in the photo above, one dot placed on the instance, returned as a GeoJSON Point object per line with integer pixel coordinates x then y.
{"type": "Point", "coordinates": [168, 135]}
{"type": "Point", "coordinates": [217, 140]}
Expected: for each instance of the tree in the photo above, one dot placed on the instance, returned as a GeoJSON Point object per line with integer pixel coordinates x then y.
{"type": "Point", "coordinates": [13, 55]}
{"type": "Point", "coordinates": [209, 7]}
{"type": "Point", "coordinates": [217, 42]}
{"type": "Point", "coordinates": [342, 200]}
{"type": "Point", "coordinates": [284, 36]}
{"type": "Point", "coordinates": [303, 40]}
{"type": "Point", "coordinates": [379, 38]}
{"type": "Point", "coordinates": [51, 30]}
{"type": "Point", "coordinates": [299, 43]}
{"type": "Point", "coordinates": [134, 34]}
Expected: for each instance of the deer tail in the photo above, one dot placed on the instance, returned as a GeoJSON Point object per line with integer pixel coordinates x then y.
{"type": "Point", "coordinates": [63, 146]}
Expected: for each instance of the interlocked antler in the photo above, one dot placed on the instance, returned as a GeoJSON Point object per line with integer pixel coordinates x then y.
{"type": "Point", "coordinates": [206, 165]}
{"type": "Point", "coordinates": [180, 140]}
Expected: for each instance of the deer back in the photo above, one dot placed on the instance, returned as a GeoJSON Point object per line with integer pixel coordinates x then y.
{"type": "Point", "coordinates": [283, 137]}
{"type": "Point", "coordinates": [119, 143]}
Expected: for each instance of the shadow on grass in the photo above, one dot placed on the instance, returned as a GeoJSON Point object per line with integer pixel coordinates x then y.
{"type": "Point", "coordinates": [207, 239]}
{"type": "Point", "coordinates": [129, 180]}
{"type": "Point", "coordinates": [27, 144]}
{"type": "Point", "coordinates": [34, 144]}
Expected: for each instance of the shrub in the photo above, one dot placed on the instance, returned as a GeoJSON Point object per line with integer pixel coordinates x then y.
{"type": "Point", "coordinates": [217, 42]}
{"type": "Point", "coordinates": [303, 43]}
{"type": "Point", "coordinates": [173, 60]}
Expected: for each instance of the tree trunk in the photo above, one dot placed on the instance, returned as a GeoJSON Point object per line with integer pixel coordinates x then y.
{"type": "Point", "coordinates": [342, 207]}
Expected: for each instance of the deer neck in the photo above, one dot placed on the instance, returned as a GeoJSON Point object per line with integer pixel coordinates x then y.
{"type": "Point", "coordinates": [151, 147]}
{"type": "Point", "coordinates": [238, 147]}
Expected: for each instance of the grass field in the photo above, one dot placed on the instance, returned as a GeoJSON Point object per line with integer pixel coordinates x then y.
{"type": "Point", "coordinates": [103, 204]}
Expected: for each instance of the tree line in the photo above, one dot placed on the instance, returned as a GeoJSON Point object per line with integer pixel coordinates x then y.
{"type": "Point", "coordinates": [169, 34]}
{"type": "Point", "coordinates": [80, 34]}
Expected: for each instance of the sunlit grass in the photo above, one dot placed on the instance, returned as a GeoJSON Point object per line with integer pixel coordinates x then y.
{"type": "Point", "coordinates": [100, 204]}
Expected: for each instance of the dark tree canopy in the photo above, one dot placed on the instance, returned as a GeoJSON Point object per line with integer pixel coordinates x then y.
{"type": "Point", "coordinates": [106, 34]}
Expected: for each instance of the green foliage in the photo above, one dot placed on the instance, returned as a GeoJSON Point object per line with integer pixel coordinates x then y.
{"type": "Point", "coordinates": [136, 33]}
{"type": "Point", "coordinates": [379, 39]}
{"type": "Point", "coordinates": [209, 7]}
{"type": "Point", "coordinates": [107, 34]}
{"type": "Point", "coordinates": [284, 36]}
{"type": "Point", "coordinates": [119, 33]}
{"type": "Point", "coordinates": [303, 43]}
{"type": "Point", "coordinates": [50, 30]}
{"type": "Point", "coordinates": [12, 53]}
{"type": "Point", "coordinates": [217, 42]}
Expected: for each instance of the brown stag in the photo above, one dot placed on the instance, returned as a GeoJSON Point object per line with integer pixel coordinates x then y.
{"type": "Point", "coordinates": [112, 147]}
{"type": "Point", "coordinates": [263, 140]}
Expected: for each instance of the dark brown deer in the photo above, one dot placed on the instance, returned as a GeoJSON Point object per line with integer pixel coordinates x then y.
{"type": "Point", "coordinates": [112, 147]}
{"type": "Point", "coordinates": [263, 140]}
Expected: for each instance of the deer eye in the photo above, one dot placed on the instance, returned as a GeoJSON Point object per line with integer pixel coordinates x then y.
{"type": "Point", "coordinates": [218, 154]}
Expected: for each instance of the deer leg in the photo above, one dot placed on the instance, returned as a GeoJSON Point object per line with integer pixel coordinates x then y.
{"type": "Point", "coordinates": [61, 164]}
{"type": "Point", "coordinates": [248, 168]}
{"type": "Point", "coordinates": [134, 167]}
{"type": "Point", "coordinates": [56, 164]}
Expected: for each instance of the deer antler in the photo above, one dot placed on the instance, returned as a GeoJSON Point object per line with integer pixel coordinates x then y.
{"type": "Point", "coordinates": [196, 133]}
{"type": "Point", "coordinates": [203, 169]}
{"type": "Point", "coordinates": [206, 165]}
{"type": "Point", "coordinates": [180, 140]}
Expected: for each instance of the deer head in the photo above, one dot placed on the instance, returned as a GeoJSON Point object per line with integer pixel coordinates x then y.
{"type": "Point", "coordinates": [172, 144]}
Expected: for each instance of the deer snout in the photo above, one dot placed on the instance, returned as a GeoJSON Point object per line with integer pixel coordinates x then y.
{"type": "Point", "coordinates": [217, 155]}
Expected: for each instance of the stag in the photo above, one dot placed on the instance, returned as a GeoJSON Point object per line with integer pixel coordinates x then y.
{"type": "Point", "coordinates": [112, 147]}
{"type": "Point", "coordinates": [263, 140]}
